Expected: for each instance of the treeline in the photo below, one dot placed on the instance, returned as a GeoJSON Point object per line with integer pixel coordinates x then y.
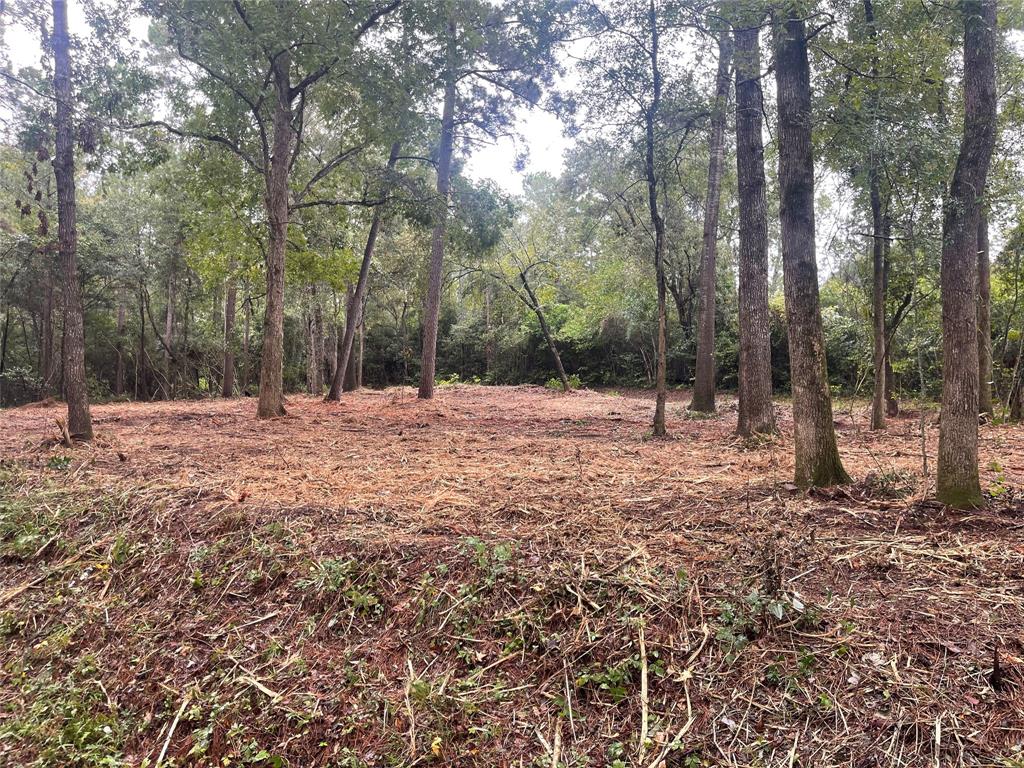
{"type": "Point", "coordinates": [266, 198]}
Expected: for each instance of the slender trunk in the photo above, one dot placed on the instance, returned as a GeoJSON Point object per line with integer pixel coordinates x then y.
{"type": "Point", "coordinates": [48, 360]}
{"type": "Point", "coordinates": [119, 376]}
{"type": "Point", "coordinates": [877, 305]}
{"type": "Point", "coordinates": [75, 391]}
{"type": "Point", "coordinates": [958, 483]}
{"type": "Point", "coordinates": [756, 414]}
{"type": "Point", "coordinates": [169, 339]}
{"type": "Point", "coordinates": [704, 379]}
{"type": "Point", "coordinates": [246, 343]}
{"type": "Point", "coordinates": [432, 306]}
{"type": "Point", "coordinates": [984, 320]}
{"type": "Point", "coordinates": [658, 223]}
{"type": "Point", "coordinates": [348, 373]}
{"type": "Point", "coordinates": [344, 347]}
{"type": "Point", "coordinates": [140, 361]}
{"type": "Point", "coordinates": [892, 403]}
{"type": "Point", "coordinates": [359, 359]}
{"type": "Point", "coordinates": [817, 456]}
{"type": "Point", "coordinates": [227, 388]}
{"type": "Point", "coordinates": [271, 402]}
{"type": "Point", "coordinates": [535, 305]}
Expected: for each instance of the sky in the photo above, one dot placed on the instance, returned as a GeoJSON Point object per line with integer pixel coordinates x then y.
{"type": "Point", "coordinates": [542, 136]}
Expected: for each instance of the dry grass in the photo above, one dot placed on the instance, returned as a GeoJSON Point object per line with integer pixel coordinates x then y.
{"type": "Point", "coordinates": [502, 576]}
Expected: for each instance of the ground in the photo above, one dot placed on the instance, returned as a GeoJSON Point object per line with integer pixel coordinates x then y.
{"type": "Point", "coordinates": [502, 576]}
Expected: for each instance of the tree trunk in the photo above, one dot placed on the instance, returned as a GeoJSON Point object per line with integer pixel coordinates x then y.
{"type": "Point", "coordinates": [704, 379]}
{"type": "Point", "coordinates": [892, 403]}
{"type": "Point", "coordinates": [344, 348]}
{"type": "Point", "coordinates": [958, 484]}
{"type": "Point", "coordinates": [168, 386]}
{"type": "Point", "coordinates": [817, 457]}
{"type": "Point", "coordinates": [534, 304]}
{"type": "Point", "coordinates": [75, 391]}
{"type": "Point", "coordinates": [119, 376]}
{"type": "Point", "coordinates": [246, 343]}
{"type": "Point", "coordinates": [984, 320]}
{"type": "Point", "coordinates": [658, 224]}
{"type": "Point", "coordinates": [432, 308]}
{"type": "Point", "coordinates": [756, 414]}
{"type": "Point", "coordinates": [271, 402]}
{"type": "Point", "coordinates": [227, 388]}
{"type": "Point", "coordinates": [48, 360]}
{"type": "Point", "coordinates": [877, 304]}
{"type": "Point", "coordinates": [359, 359]}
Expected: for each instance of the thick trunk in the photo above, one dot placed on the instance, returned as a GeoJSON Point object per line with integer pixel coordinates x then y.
{"type": "Point", "coordinates": [704, 379]}
{"type": "Point", "coordinates": [119, 376]}
{"type": "Point", "coordinates": [348, 373]}
{"type": "Point", "coordinates": [75, 392]}
{"type": "Point", "coordinates": [984, 320]}
{"type": "Point", "coordinates": [957, 483]}
{"type": "Point", "coordinates": [432, 307]}
{"type": "Point", "coordinates": [817, 457]}
{"type": "Point", "coordinates": [271, 402]}
{"type": "Point", "coordinates": [756, 414]}
{"type": "Point", "coordinates": [344, 348]}
{"type": "Point", "coordinates": [877, 305]}
{"type": "Point", "coordinates": [227, 388]}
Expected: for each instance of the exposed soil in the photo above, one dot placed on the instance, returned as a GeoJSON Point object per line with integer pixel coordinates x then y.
{"type": "Point", "coordinates": [502, 576]}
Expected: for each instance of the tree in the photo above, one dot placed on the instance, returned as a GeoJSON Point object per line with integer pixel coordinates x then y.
{"type": "Point", "coordinates": [75, 392]}
{"type": "Point", "coordinates": [495, 58]}
{"type": "Point", "coordinates": [817, 456]}
{"type": "Point", "coordinates": [958, 484]}
{"type": "Point", "coordinates": [756, 415]}
{"type": "Point", "coordinates": [259, 67]}
{"type": "Point", "coordinates": [704, 379]}
{"type": "Point", "coordinates": [984, 319]}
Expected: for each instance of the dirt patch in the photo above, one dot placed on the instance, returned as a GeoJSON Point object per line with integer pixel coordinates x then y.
{"type": "Point", "coordinates": [490, 578]}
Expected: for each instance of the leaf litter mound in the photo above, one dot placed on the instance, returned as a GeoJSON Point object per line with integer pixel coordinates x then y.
{"type": "Point", "coordinates": [502, 576]}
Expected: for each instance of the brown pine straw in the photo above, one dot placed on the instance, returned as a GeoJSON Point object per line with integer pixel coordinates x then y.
{"type": "Point", "coordinates": [536, 558]}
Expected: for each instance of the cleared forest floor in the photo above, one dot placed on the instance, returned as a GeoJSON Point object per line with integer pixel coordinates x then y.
{"type": "Point", "coordinates": [500, 577]}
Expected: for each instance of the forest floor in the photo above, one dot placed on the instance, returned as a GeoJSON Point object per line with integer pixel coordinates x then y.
{"type": "Point", "coordinates": [503, 576]}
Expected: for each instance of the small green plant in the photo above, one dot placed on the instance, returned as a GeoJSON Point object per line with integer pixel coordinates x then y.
{"type": "Point", "coordinates": [556, 383]}
{"type": "Point", "coordinates": [450, 380]}
{"type": "Point", "coordinates": [59, 462]}
{"type": "Point", "coordinates": [342, 580]}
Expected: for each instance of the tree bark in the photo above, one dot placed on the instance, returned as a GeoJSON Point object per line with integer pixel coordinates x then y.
{"type": "Point", "coordinates": [344, 349]}
{"type": "Point", "coordinates": [432, 308]}
{"type": "Point", "coordinates": [756, 414]}
{"type": "Point", "coordinates": [315, 355]}
{"type": "Point", "coordinates": [877, 304]}
{"type": "Point", "coordinates": [984, 320]}
{"type": "Point", "coordinates": [958, 484]}
{"type": "Point", "coordinates": [227, 388]}
{"type": "Point", "coordinates": [75, 391]}
{"type": "Point", "coordinates": [658, 224]}
{"type": "Point", "coordinates": [892, 403]}
{"type": "Point", "coordinates": [817, 457]}
{"type": "Point", "coordinates": [48, 360]}
{"type": "Point", "coordinates": [168, 354]}
{"type": "Point", "coordinates": [704, 380]}
{"type": "Point", "coordinates": [119, 375]}
{"type": "Point", "coordinates": [271, 401]}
